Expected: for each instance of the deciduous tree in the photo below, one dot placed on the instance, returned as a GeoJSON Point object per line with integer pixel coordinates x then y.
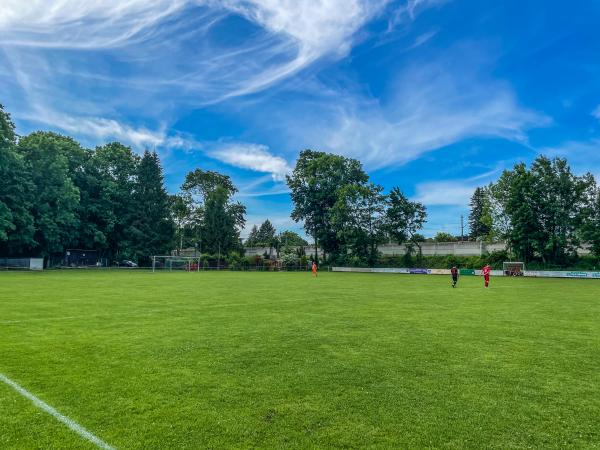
{"type": "Point", "coordinates": [404, 218]}
{"type": "Point", "coordinates": [314, 185]}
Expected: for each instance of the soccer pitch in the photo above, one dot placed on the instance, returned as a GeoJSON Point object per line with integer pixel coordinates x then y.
{"type": "Point", "coordinates": [283, 360]}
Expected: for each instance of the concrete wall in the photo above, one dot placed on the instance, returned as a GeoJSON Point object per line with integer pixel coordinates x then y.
{"type": "Point", "coordinates": [428, 248]}
{"type": "Point", "coordinates": [251, 251]}
{"type": "Point", "coordinates": [445, 248]}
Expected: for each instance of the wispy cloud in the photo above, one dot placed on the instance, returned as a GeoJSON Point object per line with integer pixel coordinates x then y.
{"type": "Point", "coordinates": [102, 69]}
{"type": "Point", "coordinates": [106, 129]}
{"type": "Point", "coordinates": [596, 112]}
{"type": "Point", "coordinates": [409, 10]}
{"type": "Point", "coordinates": [99, 130]}
{"type": "Point", "coordinates": [289, 36]}
{"type": "Point", "coordinates": [253, 157]}
{"type": "Point", "coordinates": [437, 193]}
{"type": "Point", "coordinates": [423, 38]}
{"type": "Point", "coordinates": [456, 192]}
{"type": "Point", "coordinates": [432, 105]}
{"type": "Point", "coordinates": [77, 24]}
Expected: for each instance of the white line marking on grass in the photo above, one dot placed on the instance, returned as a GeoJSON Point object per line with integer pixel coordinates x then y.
{"type": "Point", "coordinates": [58, 416]}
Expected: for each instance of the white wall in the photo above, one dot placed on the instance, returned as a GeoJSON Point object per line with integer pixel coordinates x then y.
{"type": "Point", "coordinates": [36, 263]}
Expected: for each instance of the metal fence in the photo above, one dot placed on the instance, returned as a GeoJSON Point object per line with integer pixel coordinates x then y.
{"type": "Point", "coordinates": [21, 263]}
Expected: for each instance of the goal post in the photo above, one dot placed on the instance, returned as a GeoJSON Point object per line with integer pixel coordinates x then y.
{"type": "Point", "coordinates": [180, 263]}
{"type": "Point", "coordinates": [513, 268]}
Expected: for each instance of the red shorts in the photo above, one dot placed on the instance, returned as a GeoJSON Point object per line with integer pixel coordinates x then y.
{"type": "Point", "coordinates": [486, 277]}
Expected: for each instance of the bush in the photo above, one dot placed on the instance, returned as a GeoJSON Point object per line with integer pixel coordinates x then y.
{"type": "Point", "coordinates": [253, 261]}
{"type": "Point", "coordinates": [234, 261]}
{"type": "Point", "coordinates": [443, 261]}
{"type": "Point", "coordinates": [290, 258]}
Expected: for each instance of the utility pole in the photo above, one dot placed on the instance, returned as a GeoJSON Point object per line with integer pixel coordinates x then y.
{"type": "Point", "coordinates": [462, 228]}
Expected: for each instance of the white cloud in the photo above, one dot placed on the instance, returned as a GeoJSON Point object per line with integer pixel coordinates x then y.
{"type": "Point", "coordinates": [77, 24]}
{"type": "Point", "coordinates": [596, 112]}
{"type": "Point", "coordinates": [175, 35]}
{"type": "Point", "coordinates": [423, 38]}
{"type": "Point", "coordinates": [252, 157]}
{"type": "Point", "coordinates": [111, 129]}
{"type": "Point", "coordinates": [408, 11]}
{"type": "Point", "coordinates": [437, 193]}
{"type": "Point", "coordinates": [412, 6]}
{"type": "Point", "coordinates": [82, 66]}
{"type": "Point", "coordinates": [432, 106]}
{"type": "Point", "coordinates": [100, 130]}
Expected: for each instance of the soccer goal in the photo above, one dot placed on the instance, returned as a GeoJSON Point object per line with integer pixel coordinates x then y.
{"type": "Point", "coordinates": [170, 263]}
{"type": "Point", "coordinates": [513, 269]}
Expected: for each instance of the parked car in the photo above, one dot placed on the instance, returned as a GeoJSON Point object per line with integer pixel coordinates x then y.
{"type": "Point", "coordinates": [127, 263]}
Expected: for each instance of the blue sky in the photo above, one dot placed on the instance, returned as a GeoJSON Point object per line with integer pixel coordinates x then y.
{"type": "Point", "coordinates": [434, 96]}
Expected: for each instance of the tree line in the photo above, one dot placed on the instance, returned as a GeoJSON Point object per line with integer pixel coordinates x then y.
{"type": "Point", "coordinates": [544, 212]}
{"type": "Point", "coordinates": [345, 213]}
{"type": "Point", "coordinates": [56, 194]}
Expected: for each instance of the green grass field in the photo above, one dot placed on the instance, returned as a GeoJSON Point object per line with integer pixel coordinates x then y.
{"type": "Point", "coordinates": [282, 360]}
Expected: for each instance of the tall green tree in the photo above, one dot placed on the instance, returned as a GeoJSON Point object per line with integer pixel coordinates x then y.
{"type": "Point", "coordinates": [479, 222]}
{"type": "Point", "coordinates": [252, 239]}
{"type": "Point", "coordinates": [544, 208]}
{"type": "Point", "coordinates": [200, 183]}
{"type": "Point", "coordinates": [56, 196]}
{"type": "Point", "coordinates": [314, 185]}
{"type": "Point", "coordinates": [117, 168]}
{"type": "Point", "coordinates": [590, 229]}
{"type": "Point", "coordinates": [292, 239]}
{"type": "Point", "coordinates": [516, 193]}
{"type": "Point", "coordinates": [266, 234]}
{"type": "Point", "coordinates": [16, 188]}
{"type": "Point", "coordinates": [559, 207]}
{"type": "Point", "coordinates": [94, 208]}
{"type": "Point", "coordinates": [198, 186]}
{"type": "Point", "coordinates": [358, 215]}
{"type": "Point", "coordinates": [151, 229]}
{"type": "Point", "coordinates": [181, 213]}
{"type": "Point", "coordinates": [220, 226]}
{"type": "Point", "coordinates": [404, 218]}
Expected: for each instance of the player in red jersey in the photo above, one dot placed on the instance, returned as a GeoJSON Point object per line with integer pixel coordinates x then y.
{"type": "Point", "coordinates": [454, 273]}
{"type": "Point", "coordinates": [486, 274]}
{"type": "Point", "coordinates": [314, 269]}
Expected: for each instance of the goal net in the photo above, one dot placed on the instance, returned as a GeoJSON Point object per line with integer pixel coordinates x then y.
{"type": "Point", "coordinates": [170, 263]}
{"type": "Point", "coordinates": [513, 269]}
